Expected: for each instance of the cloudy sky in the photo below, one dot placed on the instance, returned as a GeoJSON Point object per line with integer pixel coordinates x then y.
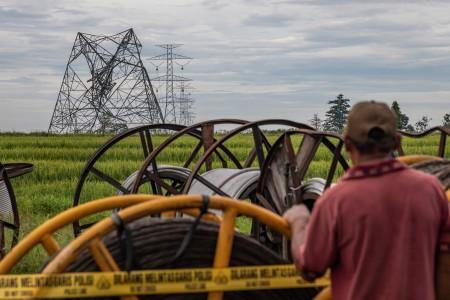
{"type": "Point", "coordinates": [253, 59]}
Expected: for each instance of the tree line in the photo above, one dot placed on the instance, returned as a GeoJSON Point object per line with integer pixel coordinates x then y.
{"type": "Point", "coordinates": [336, 116]}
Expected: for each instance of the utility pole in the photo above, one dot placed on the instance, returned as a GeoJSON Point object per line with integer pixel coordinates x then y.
{"type": "Point", "coordinates": [177, 104]}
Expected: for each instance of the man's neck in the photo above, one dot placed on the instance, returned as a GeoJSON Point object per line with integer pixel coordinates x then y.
{"type": "Point", "coordinates": [368, 159]}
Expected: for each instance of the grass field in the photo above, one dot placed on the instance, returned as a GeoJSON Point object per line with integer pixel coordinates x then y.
{"type": "Point", "coordinates": [59, 160]}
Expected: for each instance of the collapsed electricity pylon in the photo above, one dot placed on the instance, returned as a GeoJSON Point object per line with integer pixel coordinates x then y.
{"type": "Point", "coordinates": [106, 87]}
{"type": "Point", "coordinates": [177, 103]}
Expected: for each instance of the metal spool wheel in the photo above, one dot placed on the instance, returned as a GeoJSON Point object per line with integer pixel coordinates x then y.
{"type": "Point", "coordinates": [217, 246]}
{"type": "Point", "coordinates": [93, 165]}
{"type": "Point", "coordinates": [9, 213]}
{"type": "Point", "coordinates": [443, 133]}
{"type": "Point", "coordinates": [168, 181]}
{"type": "Point", "coordinates": [204, 130]}
{"type": "Point", "coordinates": [202, 183]}
{"type": "Point", "coordinates": [257, 155]}
{"type": "Point", "coordinates": [282, 183]}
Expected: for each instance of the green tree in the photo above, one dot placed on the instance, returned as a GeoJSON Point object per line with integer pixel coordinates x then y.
{"type": "Point", "coordinates": [409, 128]}
{"type": "Point", "coordinates": [336, 115]}
{"type": "Point", "coordinates": [316, 122]}
{"type": "Point", "coordinates": [402, 119]}
{"type": "Point", "coordinates": [422, 124]}
{"type": "Point", "coordinates": [446, 120]}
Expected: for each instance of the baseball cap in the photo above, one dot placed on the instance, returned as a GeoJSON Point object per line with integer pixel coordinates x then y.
{"type": "Point", "coordinates": [371, 121]}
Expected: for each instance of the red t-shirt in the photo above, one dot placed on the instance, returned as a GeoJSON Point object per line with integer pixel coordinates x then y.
{"type": "Point", "coordinates": [377, 229]}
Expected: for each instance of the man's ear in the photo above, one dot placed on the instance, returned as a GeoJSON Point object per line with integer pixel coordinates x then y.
{"type": "Point", "coordinates": [398, 140]}
{"type": "Point", "coordinates": [348, 144]}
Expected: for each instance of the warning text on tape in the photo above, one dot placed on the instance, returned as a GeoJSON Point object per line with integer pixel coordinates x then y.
{"type": "Point", "coordinates": [80, 285]}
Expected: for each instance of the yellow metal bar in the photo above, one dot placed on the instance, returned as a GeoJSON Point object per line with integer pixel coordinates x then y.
{"type": "Point", "coordinates": [194, 213]}
{"type": "Point", "coordinates": [208, 216]}
{"type": "Point", "coordinates": [63, 219]}
{"type": "Point", "coordinates": [105, 261]}
{"type": "Point", "coordinates": [224, 245]}
{"type": "Point", "coordinates": [168, 214]}
{"type": "Point", "coordinates": [102, 256]}
{"type": "Point", "coordinates": [162, 204]}
{"type": "Point", "coordinates": [50, 245]}
{"type": "Point", "coordinates": [412, 159]}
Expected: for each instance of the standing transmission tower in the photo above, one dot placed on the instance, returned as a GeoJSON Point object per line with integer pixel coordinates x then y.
{"type": "Point", "coordinates": [105, 87]}
{"type": "Point", "coordinates": [177, 103]}
{"type": "Point", "coordinates": [186, 103]}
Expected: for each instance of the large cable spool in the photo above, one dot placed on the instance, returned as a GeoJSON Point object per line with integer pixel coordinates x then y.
{"type": "Point", "coordinates": [156, 241]}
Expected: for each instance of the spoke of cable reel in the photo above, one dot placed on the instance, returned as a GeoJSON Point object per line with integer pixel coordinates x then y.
{"type": "Point", "coordinates": [211, 186]}
{"type": "Point", "coordinates": [224, 245]}
{"type": "Point", "coordinates": [193, 154]}
{"type": "Point", "coordinates": [102, 256]}
{"type": "Point", "coordinates": [160, 183]}
{"type": "Point", "coordinates": [258, 145]}
{"type": "Point", "coordinates": [146, 142]}
{"type": "Point", "coordinates": [105, 261]}
{"type": "Point", "coordinates": [208, 141]}
{"type": "Point", "coordinates": [250, 158]}
{"type": "Point", "coordinates": [50, 245]}
{"type": "Point", "coordinates": [110, 180]}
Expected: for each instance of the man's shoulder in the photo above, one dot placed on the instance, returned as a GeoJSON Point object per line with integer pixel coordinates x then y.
{"type": "Point", "coordinates": [342, 187]}
{"type": "Point", "coordinates": [345, 189]}
{"type": "Point", "coordinates": [337, 191]}
{"type": "Point", "coordinates": [416, 176]}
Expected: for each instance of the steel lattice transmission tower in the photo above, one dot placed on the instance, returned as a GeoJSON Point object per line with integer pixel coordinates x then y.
{"type": "Point", "coordinates": [186, 103]}
{"type": "Point", "coordinates": [106, 87]}
{"type": "Point", "coordinates": [176, 102]}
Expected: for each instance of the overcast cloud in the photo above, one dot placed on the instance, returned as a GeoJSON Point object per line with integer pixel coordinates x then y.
{"type": "Point", "coordinates": [252, 59]}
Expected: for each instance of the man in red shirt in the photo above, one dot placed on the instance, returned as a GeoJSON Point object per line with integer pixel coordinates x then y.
{"type": "Point", "coordinates": [377, 228]}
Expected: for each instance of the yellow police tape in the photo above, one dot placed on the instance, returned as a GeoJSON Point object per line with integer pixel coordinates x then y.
{"type": "Point", "coordinates": [94, 284]}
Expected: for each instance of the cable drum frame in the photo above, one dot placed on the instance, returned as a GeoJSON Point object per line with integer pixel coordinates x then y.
{"type": "Point", "coordinates": [9, 210]}
{"type": "Point", "coordinates": [206, 131]}
{"type": "Point", "coordinates": [261, 143]}
{"type": "Point", "coordinates": [144, 133]}
{"type": "Point", "coordinates": [443, 132]}
{"type": "Point", "coordinates": [202, 131]}
{"type": "Point", "coordinates": [279, 195]}
{"type": "Point", "coordinates": [92, 238]}
{"type": "Point", "coordinates": [311, 141]}
{"type": "Point", "coordinates": [43, 234]}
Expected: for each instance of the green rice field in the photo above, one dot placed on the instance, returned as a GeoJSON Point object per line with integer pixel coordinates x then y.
{"type": "Point", "coordinates": [59, 160]}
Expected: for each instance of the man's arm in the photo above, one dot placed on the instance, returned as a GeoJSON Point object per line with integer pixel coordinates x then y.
{"type": "Point", "coordinates": [313, 241]}
{"type": "Point", "coordinates": [297, 217]}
